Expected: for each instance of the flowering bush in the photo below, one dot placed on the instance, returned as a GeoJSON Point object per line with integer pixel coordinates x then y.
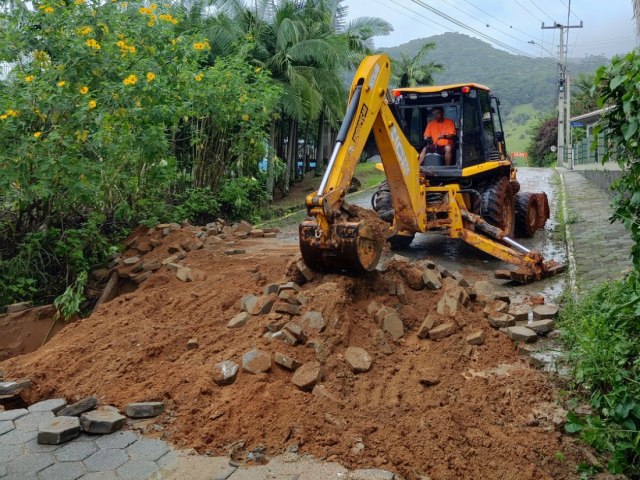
{"type": "Point", "coordinates": [102, 99]}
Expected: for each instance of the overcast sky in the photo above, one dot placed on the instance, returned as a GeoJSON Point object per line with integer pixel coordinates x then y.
{"type": "Point", "coordinates": [608, 24]}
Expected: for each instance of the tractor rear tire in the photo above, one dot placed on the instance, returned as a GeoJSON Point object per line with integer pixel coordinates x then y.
{"type": "Point", "coordinates": [498, 205]}
{"type": "Point", "coordinates": [382, 203]}
{"type": "Point", "coordinates": [532, 211]}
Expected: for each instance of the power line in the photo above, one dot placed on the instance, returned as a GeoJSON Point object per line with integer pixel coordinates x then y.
{"type": "Point", "coordinates": [495, 18]}
{"type": "Point", "coordinates": [529, 11]}
{"type": "Point", "coordinates": [543, 12]}
{"type": "Point", "coordinates": [572, 13]}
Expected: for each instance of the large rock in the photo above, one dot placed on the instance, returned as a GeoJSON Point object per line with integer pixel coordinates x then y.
{"type": "Point", "coordinates": [500, 320]}
{"type": "Point", "coordinates": [256, 361]}
{"type": "Point", "coordinates": [541, 326]}
{"type": "Point", "coordinates": [358, 359]}
{"type": "Point", "coordinates": [102, 420]}
{"type": "Point", "coordinates": [520, 312]}
{"type": "Point", "coordinates": [522, 334]}
{"type": "Point", "coordinates": [307, 376]}
{"type": "Point", "coordinates": [57, 430]}
{"type": "Point", "coordinates": [224, 373]}
{"type": "Point", "coordinates": [542, 312]}
{"type": "Point", "coordinates": [240, 320]}
{"type": "Point", "coordinates": [442, 331]}
{"type": "Point", "coordinates": [393, 325]}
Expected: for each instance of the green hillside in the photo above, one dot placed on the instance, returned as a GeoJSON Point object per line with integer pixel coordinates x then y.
{"type": "Point", "coordinates": [515, 79]}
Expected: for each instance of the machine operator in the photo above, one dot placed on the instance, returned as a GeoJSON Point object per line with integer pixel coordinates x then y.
{"type": "Point", "coordinates": [439, 135]}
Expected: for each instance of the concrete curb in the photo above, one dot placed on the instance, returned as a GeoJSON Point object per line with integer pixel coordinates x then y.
{"type": "Point", "coordinates": [573, 288]}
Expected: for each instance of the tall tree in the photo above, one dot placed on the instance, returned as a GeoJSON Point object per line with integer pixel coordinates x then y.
{"type": "Point", "coordinates": [413, 71]}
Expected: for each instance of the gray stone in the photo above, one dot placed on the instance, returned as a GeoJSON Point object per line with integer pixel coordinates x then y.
{"type": "Point", "coordinates": [383, 312]}
{"type": "Point", "coordinates": [54, 405]}
{"type": "Point", "coordinates": [144, 409]}
{"type": "Point", "coordinates": [147, 449]}
{"type": "Point", "coordinates": [30, 463]}
{"type": "Point", "coordinates": [358, 359]}
{"type": "Point", "coordinates": [475, 338]}
{"type": "Point", "coordinates": [13, 414]}
{"type": "Point", "coordinates": [296, 330]}
{"type": "Point", "coordinates": [402, 294]}
{"type": "Point", "coordinates": [58, 430]}
{"type": "Point", "coordinates": [442, 331]}
{"type": "Point", "coordinates": [497, 306]}
{"type": "Point", "coordinates": [81, 406]}
{"type": "Point", "coordinates": [521, 334]}
{"type": "Point", "coordinates": [373, 307]}
{"type": "Point", "coordinates": [101, 420]}
{"type": "Point", "coordinates": [63, 471]}
{"type": "Point", "coordinates": [427, 324]}
{"type": "Point", "coordinates": [13, 387]}
{"type": "Point", "coordinates": [224, 373]}
{"type": "Point", "coordinates": [312, 322]}
{"type": "Point", "coordinates": [500, 320]}
{"type": "Point", "coordinates": [307, 376]}
{"type": "Point", "coordinates": [131, 260]}
{"type": "Point", "coordinates": [371, 474]}
{"type": "Point", "coordinates": [393, 325]}
{"type": "Point", "coordinates": [448, 305]}
{"type": "Point", "coordinates": [35, 447]}
{"type": "Point", "coordinates": [431, 279]}
{"type": "Point", "coordinates": [271, 288]}
{"type": "Point", "coordinates": [286, 362]}
{"type": "Point", "coordinates": [121, 439]}
{"type": "Point", "coordinates": [240, 320]}
{"type": "Point", "coordinates": [75, 451]}
{"type": "Point", "coordinates": [105, 460]}
{"type": "Point", "coordinates": [256, 361]}
{"type": "Point", "coordinates": [554, 334]}
{"type": "Point", "coordinates": [251, 304]}
{"type": "Point", "coordinates": [542, 312]}
{"type": "Point", "coordinates": [484, 289]}
{"type": "Point", "coordinates": [6, 426]}
{"type": "Point", "coordinates": [541, 326]}
{"type": "Point", "coordinates": [31, 422]}
{"type": "Point", "coordinates": [520, 312]}
{"type": "Point", "coordinates": [503, 296]}
{"type": "Point", "coordinates": [282, 307]}
{"type": "Point", "coordinates": [289, 286]}
{"type": "Point", "coordinates": [137, 469]}
{"type": "Point", "coordinates": [305, 271]}
{"type": "Point", "coordinates": [169, 460]}
{"type": "Point", "coordinates": [17, 437]}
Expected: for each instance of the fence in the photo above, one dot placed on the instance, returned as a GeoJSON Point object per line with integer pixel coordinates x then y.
{"type": "Point", "coordinates": [583, 153]}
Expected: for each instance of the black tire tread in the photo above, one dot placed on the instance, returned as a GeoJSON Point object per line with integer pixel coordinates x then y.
{"type": "Point", "coordinates": [493, 198]}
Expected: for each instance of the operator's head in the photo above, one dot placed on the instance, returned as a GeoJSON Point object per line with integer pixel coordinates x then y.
{"type": "Point", "coordinates": [438, 113]}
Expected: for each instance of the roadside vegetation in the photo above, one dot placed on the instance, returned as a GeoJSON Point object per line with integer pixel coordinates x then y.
{"type": "Point", "coordinates": [602, 328]}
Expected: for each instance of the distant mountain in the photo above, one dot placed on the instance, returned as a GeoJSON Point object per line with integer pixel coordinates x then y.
{"type": "Point", "coordinates": [515, 79]}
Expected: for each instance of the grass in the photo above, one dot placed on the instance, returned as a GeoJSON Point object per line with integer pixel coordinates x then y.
{"type": "Point", "coordinates": [517, 131]}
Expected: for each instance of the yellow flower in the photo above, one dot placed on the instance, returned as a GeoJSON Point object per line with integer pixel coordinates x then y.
{"type": "Point", "coordinates": [130, 80]}
{"type": "Point", "coordinates": [150, 76]}
{"type": "Point", "coordinates": [84, 90]}
{"type": "Point", "coordinates": [4, 116]}
{"type": "Point", "coordinates": [37, 134]}
{"type": "Point", "coordinates": [145, 11]}
{"type": "Point", "coordinates": [79, 2]}
{"type": "Point", "coordinates": [153, 6]}
{"type": "Point", "coordinates": [61, 83]}
{"type": "Point", "coordinates": [258, 69]}
{"type": "Point", "coordinates": [168, 18]}
{"type": "Point", "coordinates": [48, 9]}
{"type": "Point", "coordinates": [199, 45]}
{"type": "Point", "coordinates": [245, 117]}
{"type": "Point", "coordinates": [93, 44]}
{"type": "Point", "coordinates": [29, 78]}
{"type": "Point", "coordinates": [85, 31]}
{"type": "Point", "coordinates": [198, 77]}
{"type": "Point", "coordinates": [92, 104]}
{"type": "Point", "coordinates": [13, 113]}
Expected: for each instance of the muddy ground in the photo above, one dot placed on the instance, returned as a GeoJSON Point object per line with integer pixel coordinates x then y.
{"type": "Point", "coordinates": [442, 408]}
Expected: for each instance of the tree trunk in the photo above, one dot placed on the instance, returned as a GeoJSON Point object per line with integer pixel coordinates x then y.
{"type": "Point", "coordinates": [271, 149]}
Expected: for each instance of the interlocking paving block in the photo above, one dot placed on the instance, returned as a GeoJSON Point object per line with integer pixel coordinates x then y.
{"type": "Point", "coordinates": [104, 460]}
{"type": "Point", "coordinates": [75, 452]}
{"type": "Point", "coordinates": [147, 449]}
{"type": "Point", "coordinates": [21, 476]}
{"type": "Point", "coordinates": [169, 460]}
{"type": "Point", "coordinates": [81, 406]}
{"type": "Point", "coordinates": [117, 440]}
{"type": "Point", "coordinates": [371, 474]}
{"type": "Point", "coordinates": [34, 447]}
{"type": "Point", "coordinates": [63, 471]}
{"type": "Point", "coordinates": [144, 409]}
{"type": "Point", "coordinates": [3, 470]}
{"type": "Point", "coordinates": [137, 469]}
{"type": "Point", "coordinates": [100, 476]}
{"type": "Point", "coordinates": [9, 452]}
{"type": "Point", "coordinates": [58, 430]}
{"type": "Point", "coordinates": [16, 437]}
{"type": "Point", "coordinates": [31, 422]}
{"type": "Point", "coordinates": [30, 463]}
{"type": "Point", "coordinates": [13, 414]}
{"type": "Point", "coordinates": [102, 420]}
{"type": "Point", "coordinates": [6, 427]}
{"type": "Point", "coordinates": [53, 405]}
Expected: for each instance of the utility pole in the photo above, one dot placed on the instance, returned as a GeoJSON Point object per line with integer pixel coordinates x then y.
{"type": "Point", "coordinates": [564, 95]}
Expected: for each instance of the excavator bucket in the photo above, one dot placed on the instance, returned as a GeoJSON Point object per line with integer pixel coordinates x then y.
{"type": "Point", "coordinates": [348, 246]}
{"type": "Point", "coordinates": [532, 273]}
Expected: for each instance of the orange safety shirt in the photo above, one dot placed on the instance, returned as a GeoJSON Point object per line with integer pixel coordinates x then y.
{"type": "Point", "coordinates": [435, 129]}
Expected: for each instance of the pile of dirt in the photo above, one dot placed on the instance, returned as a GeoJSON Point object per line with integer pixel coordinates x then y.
{"type": "Point", "coordinates": [436, 406]}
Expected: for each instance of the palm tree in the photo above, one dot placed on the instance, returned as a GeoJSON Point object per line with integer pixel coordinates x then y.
{"type": "Point", "coordinates": [413, 71]}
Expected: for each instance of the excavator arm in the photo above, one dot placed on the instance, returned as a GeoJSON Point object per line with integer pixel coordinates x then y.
{"type": "Point", "coordinates": [336, 237]}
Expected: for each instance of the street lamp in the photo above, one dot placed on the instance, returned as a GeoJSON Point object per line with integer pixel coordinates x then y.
{"type": "Point", "coordinates": [542, 47]}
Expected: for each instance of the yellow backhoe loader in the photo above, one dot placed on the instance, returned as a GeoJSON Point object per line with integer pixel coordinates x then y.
{"type": "Point", "coordinates": [476, 198]}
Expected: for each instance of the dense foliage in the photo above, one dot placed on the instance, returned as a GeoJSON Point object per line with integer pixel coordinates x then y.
{"type": "Point", "coordinates": [544, 135]}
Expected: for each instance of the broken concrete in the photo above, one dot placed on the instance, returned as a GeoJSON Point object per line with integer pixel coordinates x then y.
{"type": "Point", "coordinates": [144, 409]}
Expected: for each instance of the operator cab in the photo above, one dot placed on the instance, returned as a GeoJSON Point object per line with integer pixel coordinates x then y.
{"type": "Point", "coordinates": [476, 115]}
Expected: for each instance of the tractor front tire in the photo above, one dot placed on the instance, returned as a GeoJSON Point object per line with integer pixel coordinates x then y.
{"type": "Point", "coordinates": [382, 203]}
{"type": "Point", "coordinates": [498, 205]}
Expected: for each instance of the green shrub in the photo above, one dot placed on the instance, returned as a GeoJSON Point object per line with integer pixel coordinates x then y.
{"type": "Point", "coordinates": [198, 205]}
{"type": "Point", "coordinates": [241, 198]}
{"type": "Point", "coordinates": [602, 333]}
